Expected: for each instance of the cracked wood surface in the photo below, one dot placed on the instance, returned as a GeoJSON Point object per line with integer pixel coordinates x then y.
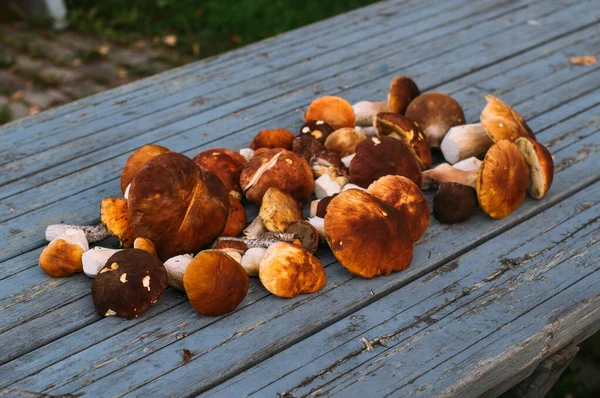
{"type": "Point", "coordinates": [57, 166]}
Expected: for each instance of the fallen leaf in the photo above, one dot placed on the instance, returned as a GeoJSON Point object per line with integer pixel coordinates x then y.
{"type": "Point", "coordinates": [585, 60]}
{"type": "Point", "coordinates": [170, 40]}
{"type": "Point", "coordinates": [122, 73]}
{"type": "Point", "coordinates": [187, 355]}
{"type": "Point", "coordinates": [104, 49]}
{"type": "Point", "coordinates": [16, 96]}
{"type": "Point", "coordinates": [76, 62]}
{"type": "Point", "coordinates": [235, 39]}
{"type": "Point", "coordinates": [196, 49]}
{"type": "Point", "coordinates": [34, 110]}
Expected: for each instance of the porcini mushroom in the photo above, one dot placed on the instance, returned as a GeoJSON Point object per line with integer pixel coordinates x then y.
{"type": "Point", "coordinates": [465, 141]}
{"type": "Point", "coordinates": [366, 110]}
{"type": "Point", "coordinates": [287, 270]}
{"type": "Point", "coordinates": [215, 283]}
{"type": "Point", "coordinates": [306, 233]}
{"type": "Point", "coordinates": [274, 138]}
{"type": "Point", "coordinates": [398, 126]}
{"type": "Point", "coordinates": [335, 111]}
{"type": "Point", "coordinates": [177, 205]}
{"type": "Point", "coordinates": [435, 113]}
{"type": "Point", "coordinates": [366, 235]}
{"type": "Point", "coordinates": [130, 282]}
{"type": "Point", "coordinates": [321, 209]}
{"type": "Point", "coordinates": [344, 141]}
{"type": "Point", "coordinates": [406, 197]}
{"type": "Point", "coordinates": [251, 260]}
{"type": "Point", "coordinates": [317, 129]}
{"type": "Point", "coordinates": [225, 164]}
{"type": "Point", "coordinates": [454, 203]}
{"type": "Point", "coordinates": [95, 259]}
{"type": "Point", "coordinates": [176, 267]}
{"type": "Point", "coordinates": [380, 156]}
{"type": "Point", "coordinates": [144, 244]}
{"type": "Point", "coordinates": [236, 218]}
{"type": "Point", "coordinates": [540, 164]}
{"type": "Point", "coordinates": [62, 256]}
{"type": "Point", "coordinates": [278, 210]}
{"type": "Point", "coordinates": [307, 146]}
{"type": "Point", "coordinates": [137, 160]}
{"type": "Point", "coordinates": [402, 91]}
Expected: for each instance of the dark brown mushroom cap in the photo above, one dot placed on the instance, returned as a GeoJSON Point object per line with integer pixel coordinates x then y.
{"type": "Point", "coordinates": [137, 160]}
{"type": "Point", "coordinates": [335, 111]}
{"type": "Point", "coordinates": [502, 180]}
{"type": "Point", "coordinates": [177, 205]}
{"type": "Point", "coordinates": [540, 164]}
{"type": "Point", "coordinates": [307, 146]}
{"type": "Point", "coordinates": [308, 235]}
{"type": "Point", "coordinates": [130, 282]}
{"type": "Point", "coordinates": [236, 219]}
{"type": "Point", "coordinates": [454, 203]}
{"type": "Point", "coordinates": [277, 168]}
{"type": "Point", "coordinates": [225, 164]}
{"type": "Point", "coordinates": [402, 91]}
{"type": "Point", "coordinates": [322, 205]}
{"type": "Point", "coordinates": [381, 156]}
{"type": "Point", "coordinates": [502, 122]}
{"type": "Point", "coordinates": [367, 236]}
{"type": "Point", "coordinates": [274, 138]}
{"type": "Point", "coordinates": [317, 129]}
{"type": "Point", "coordinates": [235, 244]}
{"type": "Point", "coordinates": [395, 124]}
{"type": "Point", "coordinates": [406, 197]}
{"type": "Point", "coordinates": [215, 283]}
{"type": "Point", "coordinates": [114, 214]}
{"type": "Point", "coordinates": [435, 113]}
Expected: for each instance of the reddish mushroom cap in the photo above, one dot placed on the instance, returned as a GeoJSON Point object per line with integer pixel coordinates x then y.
{"type": "Point", "coordinates": [225, 164]}
{"type": "Point", "coordinates": [398, 126]}
{"type": "Point", "coordinates": [275, 138]}
{"type": "Point", "coordinates": [335, 111]}
{"type": "Point", "coordinates": [402, 91]}
{"type": "Point", "coordinates": [137, 160]}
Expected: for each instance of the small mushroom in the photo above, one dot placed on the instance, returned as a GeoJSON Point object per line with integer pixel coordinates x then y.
{"type": "Point", "coordinates": [251, 260]}
{"type": "Point", "coordinates": [540, 164]}
{"type": "Point", "coordinates": [275, 138]}
{"type": "Point", "coordinates": [225, 164]}
{"type": "Point", "coordinates": [319, 224]}
{"type": "Point", "coordinates": [335, 111]}
{"type": "Point", "coordinates": [176, 267]}
{"type": "Point", "coordinates": [465, 141]}
{"type": "Point", "coordinates": [321, 210]}
{"type": "Point", "coordinates": [435, 113]}
{"type": "Point", "coordinates": [177, 205]}
{"type": "Point", "coordinates": [306, 233]}
{"type": "Point", "coordinates": [137, 160]}
{"type": "Point", "coordinates": [144, 244]}
{"type": "Point", "coordinates": [502, 122]}
{"type": "Point", "coordinates": [366, 110]}
{"type": "Point", "coordinates": [95, 259]}
{"type": "Point", "coordinates": [278, 210]}
{"type": "Point", "coordinates": [62, 256]}
{"type": "Point", "coordinates": [344, 141]}
{"type": "Point", "coordinates": [454, 203]}
{"type": "Point", "coordinates": [398, 126]}
{"type": "Point", "coordinates": [317, 129]}
{"type": "Point", "coordinates": [366, 235]}
{"type": "Point", "coordinates": [287, 270]}
{"type": "Point", "coordinates": [380, 156]}
{"type": "Point", "coordinates": [215, 283]}
{"type": "Point", "coordinates": [277, 168]}
{"type": "Point", "coordinates": [406, 197]}
{"type": "Point", "coordinates": [130, 282]}
{"type": "Point", "coordinates": [307, 146]}
{"type": "Point", "coordinates": [402, 91]}
{"type": "Point", "coordinates": [236, 219]}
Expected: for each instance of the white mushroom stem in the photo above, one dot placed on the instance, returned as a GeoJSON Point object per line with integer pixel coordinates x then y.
{"type": "Point", "coordinates": [176, 267]}
{"type": "Point", "coordinates": [365, 110]}
{"type": "Point", "coordinates": [469, 164]}
{"type": "Point", "coordinates": [251, 260]}
{"type": "Point", "coordinates": [247, 153]}
{"type": "Point", "coordinates": [327, 186]}
{"type": "Point", "coordinates": [347, 159]}
{"type": "Point", "coordinates": [446, 173]}
{"type": "Point", "coordinates": [73, 236]}
{"type": "Point", "coordinates": [255, 228]}
{"type": "Point", "coordinates": [367, 131]}
{"type": "Point", "coordinates": [319, 224]}
{"type": "Point", "coordinates": [465, 141]}
{"type": "Point", "coordinates": [233, 253]}
{"type": "Point", "coordinates": [313, 207]}
{"type": "Point", "coordinates": [93, 233]}
{"type": "Point", "coordinates": [126, 194]}
{"type": "Point", "coordinates": [95, 259]}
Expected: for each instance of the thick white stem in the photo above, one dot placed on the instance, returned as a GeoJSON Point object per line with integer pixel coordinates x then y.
{"type": "Point", "coordinates": [446, 173]}
{"type": "Point", "coordinates": [468, 164]}
{"type": "Point", "coordinates": [251, 260]}
{"type": "Point", "coordinates": [319, 224]}
{"type": "Point", "coordinates": [176, 267]}
{"type": "Point", "coordinates": [93, 233]}
{"type": "Point", "coordinates": [95, 259]}
{"type": "Point", "coordinates": [465, 141]}
{"type": "Point", "coordinates": [365, 110]}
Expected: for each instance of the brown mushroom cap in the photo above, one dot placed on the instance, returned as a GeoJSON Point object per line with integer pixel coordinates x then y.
{"type": "Point", "coordinates": [236, 219]}
{"type": "Point", "coordinates": [367, 236]}
{"type": "Point", "coordinates": [406, 197]}
{"type": "Point", "coordinates": [317, 129]}
{"type": "Point", "coordinates": [62, 257]}
{"type": "Point", "coordinates": [307, 146]}
{"type": "Point", "coordinates": [137, 160]}
{"type": "Point", "coordinates": [277, 168]}
{"type": "Point", "coordinates": [307, 233]}
{"type": "Point", "coordinates": [502, 122]}
{"type": "Point", "coordinates": [215, 283]}
{"type": "Point", "coordinates": [275, 138]}
{"type": "Point", "coordinates": [114, 214]}
{"type": "Point", "coordinates": [502, 180]}
{"type": "Point", "coordinates": [454, 203]}
{"type": "Point", "coordinates": [380, 156]}
{"type": "Point", "coordinates": [322, 205]}
{"type": "Point", "coordinates": [278, 210]}
{"type": "Point", "coordinates": [177, 205]}
{"type": "Point", "coordinates": [435, 113]}
{"type": "Point", "coordinates": [398, 126]}
{"type": "Point", "coordinates": [130, 282]}
{"type": "Point", "coordinates": [540, 164]}
{"type": "Point", "coordinates": [402, 91]}
{"type": "Point", "coordinates": [335, 111]}
{"type": "Point", "coordinates": [344, 141]}
{"type": "Point", "coordinates": [287, 270]}
{"type": "Point", "coordinates": [225, 164]}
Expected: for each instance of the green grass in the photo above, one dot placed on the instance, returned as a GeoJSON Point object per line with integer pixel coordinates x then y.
{"type": "Point", "coordinates": [5, 115]}
{"type": "Point", "coordinates": [216, 25]}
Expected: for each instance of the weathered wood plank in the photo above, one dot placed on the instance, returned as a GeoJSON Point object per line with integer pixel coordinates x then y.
{"type": "Point", "coordinates": [397, 323]}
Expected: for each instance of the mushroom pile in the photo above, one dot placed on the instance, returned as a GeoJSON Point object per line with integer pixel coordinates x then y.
{"type": "Point", "coordinates": [359, 171]}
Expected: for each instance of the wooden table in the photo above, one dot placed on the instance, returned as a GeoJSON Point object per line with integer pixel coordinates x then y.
{"type": "Point", "coordinates": [483, 303]}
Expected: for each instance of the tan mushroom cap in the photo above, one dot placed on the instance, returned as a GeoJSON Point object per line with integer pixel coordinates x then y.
{"type": "Point", "coordinates": [177, 205]}
{"type": "Point", "coordinates": [275, 138]}
{"type": "Point", "coordinates": [402, 91]}
{"type": "Point", "coordinates": [287, 270]}
{"type": "Point", "coordinates": [540, 164]}
{"type": "Point", "coordinates": [406, 197]}
{"type": "Point", "coordinates": [137, 160]}
{"type": "Point", "coordinates": [366, 235]}
{"type": "Point", "coordinates": [435, 113]}
{"type": "Point", "coordinates": [502, 122]}
{"type": "Point", "coordinates": [144, 244]}
{"type": "Point", "coordinates": [335, 111]}
{"type": "Point", "coordinates": [502, 180]}
{"type": "Point", "coordinates": [114, 214]}
{"type": "Point", "coordinates": [236, 219]}
{"type": "Point", "coordinates": [278, 210]}
{"type": "Point", "coordinates": [225, 164]}
{"type": "Point", "coordinates": [344, 141]}
{"type": "Point", "coordinates": [61, 258]}
{"type": "Point", "coordinates": [215, 283]}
